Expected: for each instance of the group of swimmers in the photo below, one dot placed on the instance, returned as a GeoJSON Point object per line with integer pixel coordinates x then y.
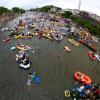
{"type": "Point", "coordinates": [90, 91]}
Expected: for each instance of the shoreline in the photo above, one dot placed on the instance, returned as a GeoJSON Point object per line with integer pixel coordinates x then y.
{"type": "Point", "coordinates": [5, 18]}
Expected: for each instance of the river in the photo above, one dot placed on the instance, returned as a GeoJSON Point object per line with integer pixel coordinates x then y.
{"type": "Point", "coordinates": [55, 67]}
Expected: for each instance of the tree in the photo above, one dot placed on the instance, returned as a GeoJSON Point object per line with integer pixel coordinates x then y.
{"type": "Point", "coordinates": [85, 22]}
{"type": "Point", "coordinates": [4, 10]}
{"type": "Point", "coordinates": [67, 14]}
{"type": "Point", "coordinates": [46, 8]}
{"type": "Point", "coordinates": [15, 9]}
{"type": "Point", "coordinates": [22, 10]}
{"type": "Point", "coordinates": [18, 10]}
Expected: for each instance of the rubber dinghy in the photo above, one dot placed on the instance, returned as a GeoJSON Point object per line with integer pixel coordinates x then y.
{"type": "Point", "coordinates": [57, 37]}
{"type": "Point", "coordinates": [91, 55]}
{"type": "Point", "coordinates": [72, 41]}
{"type": "Point", "coordinates": [25, 63]}
{"type": "Point", "coordinates": [23, 47]}
{"type": "Point", "coordinates": [66, 48]}
{"type": "Point", "coordinates": [78, 76]}
{"type": "Point", "coordinates": [25, 66]}
{"type": "Point", "coordinates": [67, 93]}
{"type": "Point", "coordinates": [6, 39]}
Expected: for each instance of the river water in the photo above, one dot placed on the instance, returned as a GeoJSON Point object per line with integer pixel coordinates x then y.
{"type": "Point", "coordinates": [55, 67]}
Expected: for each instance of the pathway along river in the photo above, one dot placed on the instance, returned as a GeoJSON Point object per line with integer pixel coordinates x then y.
{"type": "Point", "coordinates": [51, 62]}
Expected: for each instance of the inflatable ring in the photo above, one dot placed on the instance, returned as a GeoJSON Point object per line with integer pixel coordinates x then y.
{"type": "Point", "coordinates": [67, 93]}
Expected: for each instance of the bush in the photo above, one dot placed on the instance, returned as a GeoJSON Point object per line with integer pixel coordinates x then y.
{"type": "Point", "coordinates": [18, 10]}
{"type": "Point", "coordinates": [4, 10]}
{"type": "Point", "coordinates": [67, 14]}
{"type": "Point", "coordinates": [93, 28]}
{"type": "Point", "coordinates": [45, 8]}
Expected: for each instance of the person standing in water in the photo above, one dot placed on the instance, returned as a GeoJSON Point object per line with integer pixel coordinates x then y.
{"type": "Point", "coordinates": [29, 80]}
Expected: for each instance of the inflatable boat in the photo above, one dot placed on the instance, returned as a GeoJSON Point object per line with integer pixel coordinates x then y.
{"type": "Point", "coordinates": [67, 93]}
{"type": "Point", "coordinates": [13, 48]}
{"type": "Point", "coordinates": [72, 41]}
{"type": "Point", "coordinates": [25, 66]}
{"type": "Point", "coordinates": [6, 39]}
{"type": "Point", "coordinates": [23, 47]}
{"type": "Point", "coordinates": [66, 48]}
{"type": "Point", "coordinates": [23, 37]}
{"type": "Point", "coordinates": [47, 36]}
{"type": "Point", "coordinates": [57, 37]}
{"type": "Point", "coordinates": [92, 47]}
{"type": "Point", "coordinates": [82, 78]}
{"type": "Point", "coordinates": [91, 55]}
{"type": "Point", "coordinates": [23, 62]}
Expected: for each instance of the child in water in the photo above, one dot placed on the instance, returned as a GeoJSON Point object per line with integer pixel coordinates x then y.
{"type": "Point", "coordinates": [29, 80]}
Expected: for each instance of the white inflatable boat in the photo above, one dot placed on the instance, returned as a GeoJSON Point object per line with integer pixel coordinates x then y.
{"type": "Point", "coordinates": [25, 66]}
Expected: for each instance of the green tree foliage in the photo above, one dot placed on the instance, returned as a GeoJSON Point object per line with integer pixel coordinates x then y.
{"type": "Point", "coordinates": [4, 10]}
{"type": "Point", "coordinates": [67, 14]}
{"type": "Point", "coordinates": [93, 28]}
{"type": "Point", "coordinates": [46, 8]}
{"type": "Point", "coordinates": [22, 10]}
{"type": "Point", "coordinates": [32, 9]}
{"type": "Point", "coordinates": [18, 10]}
{"type": "Point", "coordinates": [35, 9]}
{"type": "Point", "coordinates": [15, 9]}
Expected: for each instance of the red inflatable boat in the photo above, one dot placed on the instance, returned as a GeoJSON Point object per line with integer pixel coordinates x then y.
{"type": "Point", "coordinates": [91, 55]}
{"type": "Point", "coordinates": [82, 78]}
{"type": "Point", "coordinates": [6, 39]}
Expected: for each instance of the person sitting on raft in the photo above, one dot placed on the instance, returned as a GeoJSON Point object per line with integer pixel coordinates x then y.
{"type": "Point", "coordinates": [21, 58]}
{"type": "Point", "coordinates": [81, 91]}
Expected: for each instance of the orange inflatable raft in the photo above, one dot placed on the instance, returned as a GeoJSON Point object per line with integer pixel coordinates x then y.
{"type": "Point", "coordinates": [82, 77]}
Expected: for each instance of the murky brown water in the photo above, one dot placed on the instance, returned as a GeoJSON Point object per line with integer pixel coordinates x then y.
{"type": "Point", "coordinates": [51, 62]}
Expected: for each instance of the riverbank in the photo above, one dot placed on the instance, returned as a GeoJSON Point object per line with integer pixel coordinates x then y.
{"type": "Point", "coordinates": [5, 18]}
